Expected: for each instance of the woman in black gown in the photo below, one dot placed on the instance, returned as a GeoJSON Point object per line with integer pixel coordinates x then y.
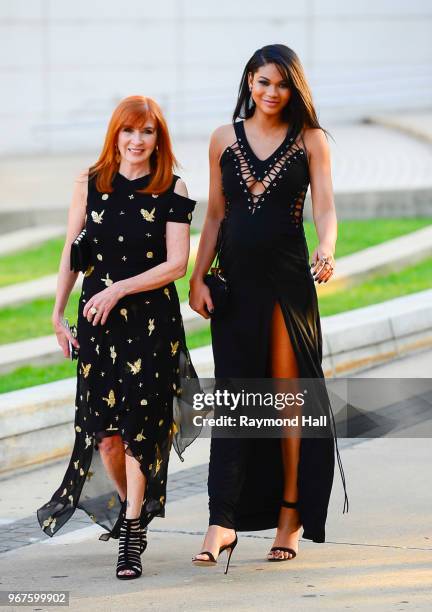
{"type": "Point", "coordinates": [260, 171]}
{"type": "Point", "coordinates": [132, 350]}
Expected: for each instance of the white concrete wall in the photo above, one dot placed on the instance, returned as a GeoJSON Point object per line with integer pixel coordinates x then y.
{"type": "Point", "coordinates": [64, 64]}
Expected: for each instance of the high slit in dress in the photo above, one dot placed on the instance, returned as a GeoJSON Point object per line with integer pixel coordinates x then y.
{"type": "Point", "coordinates": [130, 370]}
{"type": "Point", "coordinates": [265, 259]}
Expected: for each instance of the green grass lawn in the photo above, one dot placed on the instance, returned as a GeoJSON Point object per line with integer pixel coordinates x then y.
{"type": "Point", "coordinates": [33, 263]}
{"type": "Point", "coordinates": [33, 319]}
{"type": "Point", "coordinates": [353, 236]}
{"type": "Point", "coordinates": [379, 289]}
{"type": "Point", "coordinates": [36, 316]}
{"type": "Point", "coordinates": [357, 234]}
{"type": "Point", "coordinates": [29, 376]}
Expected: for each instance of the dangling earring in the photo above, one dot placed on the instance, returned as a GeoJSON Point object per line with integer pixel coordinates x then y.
{"type": "Point", "coordinates": [117, 155]}
{"type": "Point", "coordinates": [251, 100]}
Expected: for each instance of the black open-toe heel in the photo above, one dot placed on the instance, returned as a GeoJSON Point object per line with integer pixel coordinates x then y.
{"type": "Point", "coordinates": [115, 531]}
{"type": "Point", "coordinates": [129, 549]}
{"type": "Point", "coordinates": [143, 539]}
{"type": "Point", "coordinates": [211, 561]}
{"type": "Point", "coordinates": [143, 530]}
{"type": "Point", "coordinates": [285, 504]}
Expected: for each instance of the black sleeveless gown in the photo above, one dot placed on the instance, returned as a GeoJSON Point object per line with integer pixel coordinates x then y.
{"type": "Point", "coordinates": [129, 371]}
{"type": "Point", "coordinates": [265, 259]}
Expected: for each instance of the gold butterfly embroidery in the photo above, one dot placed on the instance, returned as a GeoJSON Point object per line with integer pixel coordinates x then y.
{"type": "Point", "coordinates": [111, 502]}
{"type": "Point", "coordinates": [110, 400]}
{"type": "Point", "coordinates": [174, 428]}
{"type": "Point", "coordinates": [113, 354]}
{"type": "Point", "coordinates": [140, 437]}
{"type": "Point", "coordinates": [167, 293]}
{"type": "Point", "coordinates": [97, 217]}
{"type": "Point", "coordinates": [158, 465]}
{"type": "Point", "coordinates": [123, 313]}
{"type": "Point", "coordinates": [174, 347]}
{"type": "Point", "coordinates": [107, 280]}
{"type": "Point", "coordinates": [148, 216]}
{"type": "Point", "coordinates": [151, 326]}
{"type": "Point", "coordinates": [86, 369]}
{"type": "Point", "coordinates": [136, 366]}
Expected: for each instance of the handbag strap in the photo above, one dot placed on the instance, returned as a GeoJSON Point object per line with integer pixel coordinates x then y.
{"type": "Point", "coordinates": [220, 236]}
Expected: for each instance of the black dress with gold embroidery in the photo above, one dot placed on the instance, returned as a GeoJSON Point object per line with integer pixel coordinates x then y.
{"type": "Point", "coordinates": [130, 369]}
{"type": "Point", "coordinates": [265, 258]}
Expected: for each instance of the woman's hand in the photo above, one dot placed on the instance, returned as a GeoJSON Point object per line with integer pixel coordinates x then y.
{"type": "Point", "coordinates": [200, 299]}
{"type": "Point", "coordinates": [323, 264]}
{"type": "Point", "coordinates": [100, 305]}
{"type": "Point", "coordinates": [63, 334]}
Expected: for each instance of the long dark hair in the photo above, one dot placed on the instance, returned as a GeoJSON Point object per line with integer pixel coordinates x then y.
{"type": "Point", "coordinates": [300, 111]}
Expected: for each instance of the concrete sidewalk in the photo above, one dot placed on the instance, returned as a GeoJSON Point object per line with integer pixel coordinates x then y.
{"type": "Point", "coordinates": [378, 556]}
{"type": "Point", "coordinates": [377, 171]}
{"type": "Point", "coordinates": [414, 123]}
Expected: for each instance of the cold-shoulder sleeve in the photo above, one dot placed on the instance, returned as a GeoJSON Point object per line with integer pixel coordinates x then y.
{"type": "Point", "coordinates": [180, 208]}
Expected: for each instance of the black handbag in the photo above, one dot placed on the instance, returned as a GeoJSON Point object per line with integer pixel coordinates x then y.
{"type": "Point", "coordinates": [80, 254]}
{"type": "Point", "coordinates": [216, 281]}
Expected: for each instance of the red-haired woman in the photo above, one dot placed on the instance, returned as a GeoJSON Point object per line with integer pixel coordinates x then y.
{"type": "Point", "coordinates": [130, 335]}
{"type": "Point", "coordinates": [260, 171]}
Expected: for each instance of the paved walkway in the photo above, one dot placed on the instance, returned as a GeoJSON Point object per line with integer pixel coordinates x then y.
{"type": "Point", "coordinates": [376, 557]}
{"type": "Point", "coordinates": [27, 238]}
{"type": "Point", "coordinates": [417, 124]}
{"type": "Point", "coordinates": [45, 286]}
{"type": "Point", "coordinates": [365, 157]}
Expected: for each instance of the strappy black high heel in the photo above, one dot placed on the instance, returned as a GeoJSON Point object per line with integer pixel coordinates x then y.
{"type": "Point", "coordinates": [211, 561]}
{"type": "Point", "coordinates": [129, 549]}
{"type": "Point", "coordinates": [143, 530]}
{"type": "Point", "coordinates": [115, 531]}
{"type": "Point", "coordinates": [285, 504]}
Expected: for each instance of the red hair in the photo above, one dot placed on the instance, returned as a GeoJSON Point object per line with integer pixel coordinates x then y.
{"type": "Point", "coordinates": [135, 111]}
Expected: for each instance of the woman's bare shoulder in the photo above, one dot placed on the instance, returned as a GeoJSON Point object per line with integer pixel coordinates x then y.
{"type": "Point", "coordinates": [180, 187]}
{"type": "Point", "coordinates": [222, 137]}
{"type": "Point", "coordinates": [315, 139]}
{"type": "Point", "coordinates": [81, 186]}
{"type": "Point", "coordinates": [82, 176]}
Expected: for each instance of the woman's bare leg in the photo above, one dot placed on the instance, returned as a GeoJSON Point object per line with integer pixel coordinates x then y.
{"type": "Point", "coordinates": [113, 458]}
{"type": "Point", "coordinates": [136, 484]}
{"type": "Point", "coordinates": [125, 472]}
{"type": "Point", "coordinates": [215, 537]}
{"type": "Point", "coordinates": [283, 365]}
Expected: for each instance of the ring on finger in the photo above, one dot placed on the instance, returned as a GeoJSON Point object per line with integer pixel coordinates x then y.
{"type": "Point", "coordinates": [93, 310]}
